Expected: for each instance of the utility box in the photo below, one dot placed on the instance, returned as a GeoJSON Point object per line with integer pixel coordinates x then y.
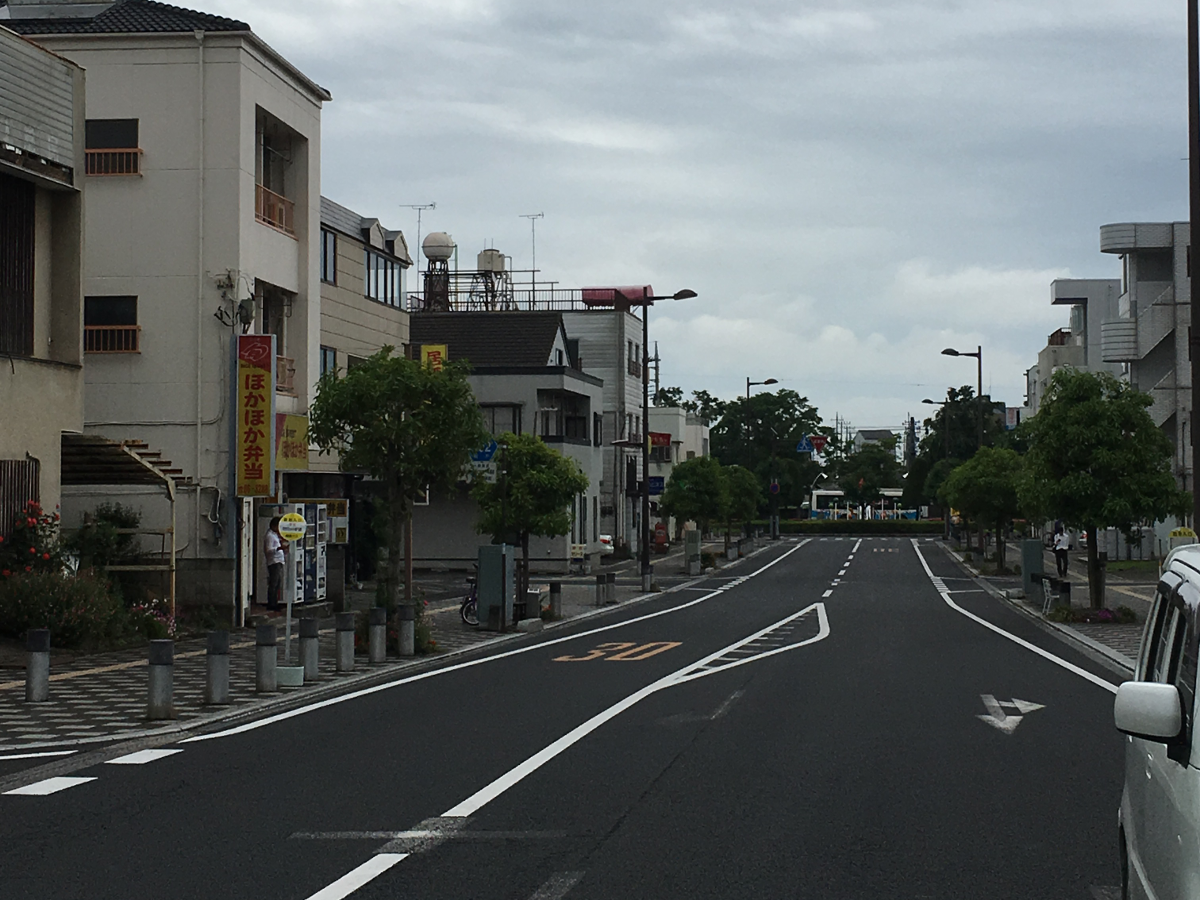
{"type": "Point", "coordinates": [691, 551]}
{"type": "Point", "coordinates": [1031, 567]}
{"type": "Point", "coordinates": [496, 586]}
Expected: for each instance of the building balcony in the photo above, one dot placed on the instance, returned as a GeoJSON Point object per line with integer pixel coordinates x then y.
{"type": "Point", "coordinates": [274, 210]}
{"type": "Point", "coordinates": [112, 339]}
{"type": "Point", "coordinates": [1119, 341]}
{"type": "Point", "coordinates": [285, 375]}
{"type": "Point", "coordinates": [634, 368]}
{"type": "Point", "coordinates": [113, 162]}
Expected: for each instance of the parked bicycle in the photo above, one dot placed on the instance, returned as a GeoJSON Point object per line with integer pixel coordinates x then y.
{"type": "Point", "coordinates": [470, 605]}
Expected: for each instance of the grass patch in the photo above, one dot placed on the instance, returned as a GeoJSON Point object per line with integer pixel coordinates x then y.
{"type": "Point", "coordinates": [1148, 566]}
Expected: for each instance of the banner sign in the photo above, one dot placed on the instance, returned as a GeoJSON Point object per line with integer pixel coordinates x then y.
{"type": "Point", "coordinates": [255, 415]}
{"type": "Point", "coordinates": [434, 356]}
{"type": "Point", "coordinates": [660, 439]}
{"type": "Point", "coordinates": [291, 441]}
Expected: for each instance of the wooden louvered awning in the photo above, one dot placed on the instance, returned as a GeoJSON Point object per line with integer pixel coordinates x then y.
{"type": "Point", "coordinates": [89, 459]}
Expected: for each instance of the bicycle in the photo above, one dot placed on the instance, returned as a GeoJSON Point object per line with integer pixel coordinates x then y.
{"type": "Point", "coordinates": [469, 610]}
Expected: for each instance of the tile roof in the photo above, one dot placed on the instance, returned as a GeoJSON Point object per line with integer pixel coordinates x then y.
{"type": "Point", "coordinates": [490, 339]}
{"type": "Point", "coordinates": [347, 221]}
{"type": "Point", "coordinates": [130, 17]}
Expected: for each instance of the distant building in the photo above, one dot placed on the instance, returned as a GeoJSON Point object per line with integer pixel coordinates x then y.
{"type": "Point", "coordinates": [1092, 301]}
{"type": "Point", "coordinates": [676, 436]}
{"type": "Point", "coordinates": [865, 436]}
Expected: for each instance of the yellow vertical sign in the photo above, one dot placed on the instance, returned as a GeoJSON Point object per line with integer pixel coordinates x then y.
{"type": "Point", "coordinates": [434, 356]}
{"type": "Point", "coordinates": [255, 433]}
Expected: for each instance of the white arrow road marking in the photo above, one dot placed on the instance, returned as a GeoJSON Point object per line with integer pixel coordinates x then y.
{"type": "Point", "coordinates": [997, 715]}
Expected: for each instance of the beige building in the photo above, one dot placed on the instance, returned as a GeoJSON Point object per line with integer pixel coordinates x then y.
{"type": "Point", "coordinates": [676, 436]}
{"type": "Point", "coordinates": [203, 221]}
{"type": "Point", "coordinates": [41, 259]}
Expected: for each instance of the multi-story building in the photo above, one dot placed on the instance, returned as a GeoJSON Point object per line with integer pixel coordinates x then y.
{"type": "Point", "coordinates": [676, 435]}
{"type": "Point", "coordinates": [1092, 302]}
{"type": "Point", "coordinates": [41, 270]}
{"type": "Point", "coordinates": [202, 222]}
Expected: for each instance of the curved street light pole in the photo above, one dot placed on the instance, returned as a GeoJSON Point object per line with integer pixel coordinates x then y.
{"type": "Point", "coordinates": [978, 354]}
{"type": "Point", "coordinates": [946, 444]}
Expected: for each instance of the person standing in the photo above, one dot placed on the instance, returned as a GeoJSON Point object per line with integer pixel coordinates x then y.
{"type": "Point", "coordinates": [274, 548]}
{"type": "Point", "coordinates": [1062, 543]}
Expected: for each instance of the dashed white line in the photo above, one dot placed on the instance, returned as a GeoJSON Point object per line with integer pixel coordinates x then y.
{"type": "Point", "coordinates": [558, 886]}
{"type": "Point", "coordinates": [857, 544]}
{"type": "Point", "coordinates": [827, 593]}
{"type": "Point", "coordinates": [357, 877]}
{"type": "Point", "coordinates": [141, 757]}
{"type": "Point", "coordinates": [40, 754]}
{"type": "Point", "coordinates": [49, 786]}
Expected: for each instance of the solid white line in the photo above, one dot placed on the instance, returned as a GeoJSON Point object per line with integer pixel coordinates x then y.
{"type": "Point", "coordinates": [141, 757]}
{"type": "Point", "coordinates": [354, 695]}
{"type": "Point", "coordinates": [827, 593]}
{"type": "Point", "coordinates": [857, 544]}
{"type": "Point", "coordinates": [557, 886]}
{"type": "Point", "coordinates": [39, 755]}
{"type": "Point", "coordinates": [513, 776]}
{"type": "Point", "coordinates": [356, 878]}
{"type": "Point", "coordinates": [49, 786]}
{"type": "Point", "coordinates": [1045, 654]}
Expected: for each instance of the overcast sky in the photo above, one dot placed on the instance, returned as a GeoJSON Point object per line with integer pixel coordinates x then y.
{"type": "Point", "coordinates": [849, 186]}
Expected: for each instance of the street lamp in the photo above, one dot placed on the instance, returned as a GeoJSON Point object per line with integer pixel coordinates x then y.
{"type": "Point", "coordinates": [647, 300]}
{"type": "Point", "coordinates": [978, 354]}
{"type": "Point", "coordinates": [750, 383]}
{"type": "Point", "coordinates": [946, 441]}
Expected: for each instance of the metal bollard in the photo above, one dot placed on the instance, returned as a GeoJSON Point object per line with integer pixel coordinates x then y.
{"type": "Point", "coordinates": [556, 600]}
{"type": "Point", "coordinates": [160, 701]}
{"type": "Point", "coordinates": [345, 642]}
{"type": "Point", "coordinates": [610, 590]}
{"type": "Point", "coordinates": [265, 658]}
{"type": "Point", "coordinates": [408, 630]}
{"type": "Point", "coordinates": [37, 669]}
{"type": "Point", "coordinates": [601, 589]}
{"type": "Point", "coordinates": [377, 636]}
{"type": "Point", "coordinates": [216, 686]}
{"type": "Point", "coordinates": [309, 648]}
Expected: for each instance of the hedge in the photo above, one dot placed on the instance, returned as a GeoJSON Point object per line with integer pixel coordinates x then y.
{"type": "Point", "coordinates": [856, 526]}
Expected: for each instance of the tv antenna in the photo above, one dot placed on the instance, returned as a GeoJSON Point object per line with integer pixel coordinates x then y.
{"type": "Point", "coordinates": [420, 208]}
{"type": "Point", "coordinates": [533, 217]}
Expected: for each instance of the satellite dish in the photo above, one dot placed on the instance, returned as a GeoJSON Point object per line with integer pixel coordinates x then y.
{"type": "Point", "coordinates": [438, 246]}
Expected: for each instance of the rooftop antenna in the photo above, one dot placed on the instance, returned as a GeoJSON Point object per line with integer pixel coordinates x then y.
{"type": "Point", "coordinates": [420, 208]}
{"type": "Point", "coordinates": [533, 217]}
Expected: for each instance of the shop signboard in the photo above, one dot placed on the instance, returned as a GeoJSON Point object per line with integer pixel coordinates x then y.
{"type": "Point", "coordinates": [291, 442]}
{"type": "Point", "coordinates": [255, 433]}
{"type": "Point", "coordinates": [434, 356]}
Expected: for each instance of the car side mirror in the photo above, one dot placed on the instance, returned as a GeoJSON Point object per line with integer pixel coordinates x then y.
{"type": "Point", "coordinates": [1149, 710]}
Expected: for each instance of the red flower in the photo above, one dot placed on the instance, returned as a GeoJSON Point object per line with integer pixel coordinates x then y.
{"type": "Point", "coordinates": [45, 556]}
{"type": "Point", "coordinates": [1, 539]}
{"type": "Point", "coordinates": [33, 550]}
{"type": "Point", "coordinates": [29, 568]}
{"type": "Point", "coordinates": [5, 573]}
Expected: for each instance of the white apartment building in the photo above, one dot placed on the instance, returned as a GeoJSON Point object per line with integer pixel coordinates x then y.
{"type": "Point", "coordinates": [676, 436]}
{"type": "Point", "coordinates": [202, 222]}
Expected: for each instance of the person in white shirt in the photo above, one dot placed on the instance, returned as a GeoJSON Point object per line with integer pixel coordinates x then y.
{"type": "Point", "coordinates": [1062, 543]}
{"type": "Point", "coordinates": [274, 548]}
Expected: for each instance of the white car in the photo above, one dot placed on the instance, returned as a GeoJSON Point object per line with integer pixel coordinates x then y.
{"type": "Point", "coordinates": [606, 545]}
{"type": "Point", "coordinates": [1159, 819]}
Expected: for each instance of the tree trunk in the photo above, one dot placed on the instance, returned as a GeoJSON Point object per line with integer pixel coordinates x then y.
{"type": "Point", "coordinates": [523, 575]}
{"type": "Point", "coordinates": [396, 514]}
{"type": "Point", "coordinates": [1000, 547]}
{"type": "Point", "coordinates": [1095, 582]}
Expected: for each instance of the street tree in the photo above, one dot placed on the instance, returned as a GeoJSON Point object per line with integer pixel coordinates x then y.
{"type": "Point", "coordinates": [669, 396]}
{"type": "Point", "coordinates": [1097, 460]}
{"type": "Point", "coordinates": [742, 497]}
{"type": "Point", "coordinates": [863, 474]}
{"type": "Point", "coordinates": [533, 494]}
{"type": "Point", "coordinates": [407, 425]}
{"type": "Point", "coordinates": [985, 489]}
{"type": "Point", "coordinates": [696, 490]}
{"type": "Point", "coordinates": [952, 433]}
{"type": "Point", "coordinates": [704, 405]}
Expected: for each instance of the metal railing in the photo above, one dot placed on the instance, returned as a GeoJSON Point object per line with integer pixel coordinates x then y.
{"type": "Point", "coordinates": [119, 161]}
{"type": "Point", "coordinates": [112, 339]}
{"type": "Point", "coordinates": [634, 368]}
{"type": "Point", "coordinates": [274, 210]}
{"type": "Point", "coordinates": [465, 296]}
{"type": "Point", "coordinates": [285, 375]}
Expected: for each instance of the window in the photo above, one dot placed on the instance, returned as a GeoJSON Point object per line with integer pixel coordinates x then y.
{"type": "Point", "coordinates": [558, 356]}
{"type": "Point", "coordinates": [16, 266]}
{"type": "Point", "coordinates": [563, 415]}
{"type": "Point", "coordinates": [353, 362]}
{"type": "Point", "coordinates": [112, 147]}
{"type": "Point", "coordinates": [1155, 265]}
{"type": "Point", "coordinates": [328, 360]}
{"type": "Point", "coordinates": [499, 419]}
{"type": "Point", "coordinates": [382, 279]}
{"type": "Point", "coordinates": [661, 455]}
{"type": "Point", "coordinates": [595, 518]}
{"type": "Point", "coordinates": [110, 325]}
{"type": "Point", "coordinates": [597, 430]}
{"type": "Point", "coordinates": [328, 256]}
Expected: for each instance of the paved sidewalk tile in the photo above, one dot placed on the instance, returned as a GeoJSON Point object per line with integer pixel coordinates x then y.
{"type": "Point", "coordinates": [1125, 639]}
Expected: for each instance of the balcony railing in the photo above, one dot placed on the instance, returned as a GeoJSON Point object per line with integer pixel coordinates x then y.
{"type": "Point", "coordinates": [635, 368]}
{"type": "Point", "coordinates": [126, 161]}
{"type": "Point", "coordinates": [274, 210]}
{"type": "Point", "coordinates": [112, 338]}
{"type": "Point", "coordinates": [285, 375]}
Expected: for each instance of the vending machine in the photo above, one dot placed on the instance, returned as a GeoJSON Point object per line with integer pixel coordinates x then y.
{"type": "Point", "coordinates": [315, 542]}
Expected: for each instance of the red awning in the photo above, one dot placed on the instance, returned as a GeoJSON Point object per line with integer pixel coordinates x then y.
{"type": "Point", "coordinates": [619, 297]}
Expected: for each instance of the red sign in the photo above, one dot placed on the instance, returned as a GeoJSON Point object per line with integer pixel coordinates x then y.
{"type": "Point", "coordinates": [818, 441]}
{"type": "Point", "coordinates": [660, 439]}
{"type": "Point", "coordinates": [255, 415]}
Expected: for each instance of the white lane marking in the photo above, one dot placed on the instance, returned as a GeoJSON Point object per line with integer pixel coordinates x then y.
{"type": "Point", "coordinates": [49, 786]}
{"type": "Point", "coordinates": [357, 877]}
{"type": "Point", "coordinates": [141, 757]}
{"type": "Point", "coordinates": [557, 886]}
{"type": "Point", "coordinates": [827, 593]}
{"type": "Point", "coordinates": [39, 755]}
{"type": "Point", "coordinates": [354, 695]}
{"type": "Point", "coordinates": [491, 791]}
{"type": "Point", "coordinates": [850, 557]}
{"type": "Point", "coordinates": [822, 633]}
{"type": "Point", "coordinates": [1003, 719]}
{"type": "Point", "coordinates": [857, 544]}
{"type": "Point", "coordinates": [1045, 654]}
{"type": "Point", "coordinates": [841, 573]}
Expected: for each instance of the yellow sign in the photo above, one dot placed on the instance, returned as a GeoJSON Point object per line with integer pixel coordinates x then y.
{"type": "Point", "coordinates": [255, 434]}
{"type": "Point", "coordinates": [434, 356]}
{"type": "Point", "coordinates": [1182, 532]}
{"type": "Point", "coordinates": [292, 527]}
{"type": "Point", "coordinates": [291, 441]}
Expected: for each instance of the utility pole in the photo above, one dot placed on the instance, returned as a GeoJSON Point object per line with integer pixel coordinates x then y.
{"type": "Point", "coordinates": [1194, 232]}
{"type": "Point", "coordinates": [533, 217]}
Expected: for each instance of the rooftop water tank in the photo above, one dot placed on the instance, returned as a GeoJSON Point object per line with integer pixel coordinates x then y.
{"type": "Point", "coordinates": [438, 246]}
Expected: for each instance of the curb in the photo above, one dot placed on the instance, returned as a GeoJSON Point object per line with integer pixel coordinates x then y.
{"type": "Point", "coordinates": [1113, 658]}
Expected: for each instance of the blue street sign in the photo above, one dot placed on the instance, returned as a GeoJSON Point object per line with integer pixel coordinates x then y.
{"type": "Point", "coordinates": [486, 454]}
{"type": "Point", "coordinates": [774, 487]}
{"type": "Point", "coordinates": [805, 445]}
{"type": "Point", "coordinates": [656, 484]}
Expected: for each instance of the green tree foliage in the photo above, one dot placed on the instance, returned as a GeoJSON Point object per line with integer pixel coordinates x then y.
{"type": "Point", "coordinates": [697, 490]}
{"type": "Point", "coordinates": [669, 396]}
{"type": "Point", "coordinates": [861, 475]}
{"type": "Point", "coordinates": [706, 406]}
{"type": "Point", "coordinates": [403, 423]}
{"type": "Point", "coordinates": [1097, 460]}
{"type": "Point", "coordinates": [742, 497]}
{"type": "Point", "coordinates": [534, 494]}
{"type": "Point", "coordinates": [952, 433]}
{"type": "Point", "coordinates": [985, 489]}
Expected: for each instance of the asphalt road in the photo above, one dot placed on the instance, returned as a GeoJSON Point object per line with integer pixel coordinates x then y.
{"type": "Point", "coordinates": [808, 725]}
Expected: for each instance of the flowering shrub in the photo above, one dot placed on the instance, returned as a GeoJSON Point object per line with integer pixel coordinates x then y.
{"type": "Point", "coordinates": [153, 619]}
{"type": "Point", "coordinates": [33, 545]}
{"type": "Point", "coordinates": [79, 610]}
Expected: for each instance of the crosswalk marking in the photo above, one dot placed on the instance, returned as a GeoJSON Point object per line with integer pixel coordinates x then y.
{"type": "Point", "coordinates": [141, 757]}
{"type": "Point", "coordinates": [49, 786]}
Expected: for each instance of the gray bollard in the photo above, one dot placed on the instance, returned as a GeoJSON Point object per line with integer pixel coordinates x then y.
{"type": "Point", "coordinates": [345, 642]}
{"type": "Point", "coordinates": [408, 630]}
{"type": "Point", "coordinates": [309, 648]}
{"type": "Point", "coordinates": [216, 685]}
{"type": "Point", "coordinates": [556, 600]}
{"type": "Point", "coordinates": [37, 669]}
{"type": "Point", "coordinates": [601, 589]}
{"type": "Point", "coordinates": [610, 590]}
{"type": "Point", "coordinates": [377, 636]}
{"type": "Point", "coordinates": [160, 701]}
{"type": "Point", "coordinates": [265, 658]}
